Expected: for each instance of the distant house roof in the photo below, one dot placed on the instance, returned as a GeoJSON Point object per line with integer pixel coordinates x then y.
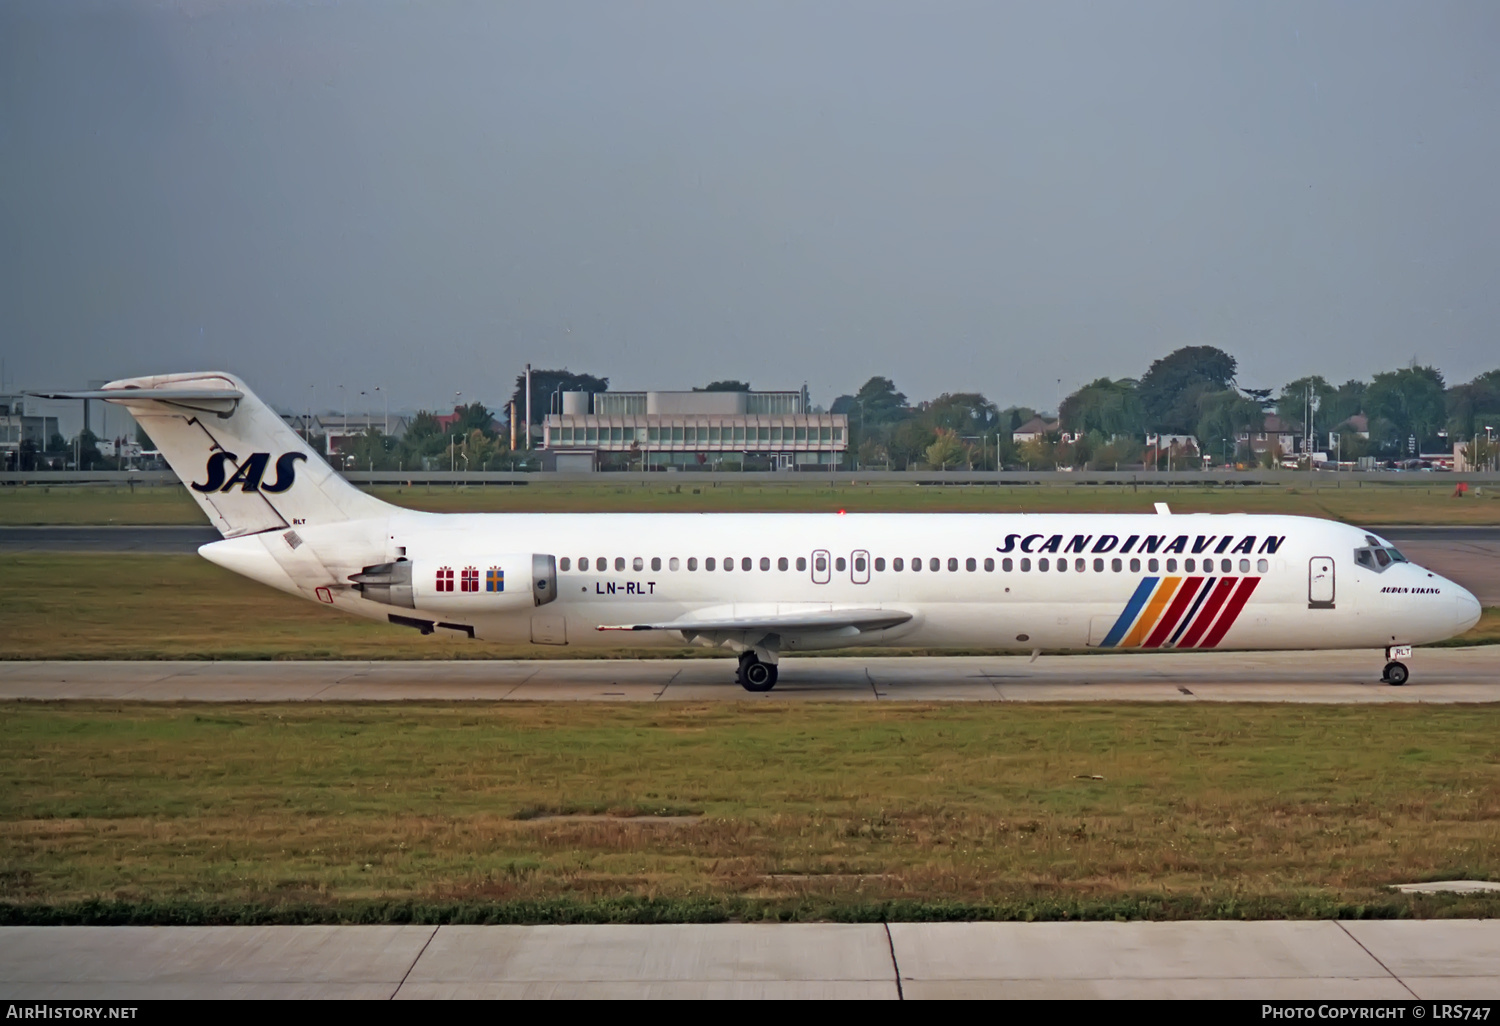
{"type": "Point", "coordinates": [1034, 428]}
{"type": "Point", "coordinates": [1358, 422]}
{"type": "Point", "coordinates": [1274, 425]}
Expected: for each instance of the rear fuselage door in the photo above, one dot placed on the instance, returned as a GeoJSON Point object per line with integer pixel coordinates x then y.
{"type": "Point", "coordinates": [1320, 583]}
{"type": "Point", "coordinates": [859, 567]}
{"type": "Point", "coordinates": [821, 566]}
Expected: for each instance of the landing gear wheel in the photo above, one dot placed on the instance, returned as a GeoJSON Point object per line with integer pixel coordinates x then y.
{"type": "Point", "coordinates": [1395, 674]}
{"type": "Point", "coordinates": [755, 675]}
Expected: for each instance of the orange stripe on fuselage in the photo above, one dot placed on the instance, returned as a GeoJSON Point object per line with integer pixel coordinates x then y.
{"type": "Point", "coordinates": [1153, 612]}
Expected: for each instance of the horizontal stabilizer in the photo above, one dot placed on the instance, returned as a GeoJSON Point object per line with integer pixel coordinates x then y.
{"type": "Point", "coordinates": [817, 620]}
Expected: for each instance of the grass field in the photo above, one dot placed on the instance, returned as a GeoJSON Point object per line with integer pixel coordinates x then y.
{"type": "Point", "coordinates": [86, 606]}
{"type": "Point", "coordinates": [542, 811]}
{"type": "Point", "coordinates": [1428, 502]}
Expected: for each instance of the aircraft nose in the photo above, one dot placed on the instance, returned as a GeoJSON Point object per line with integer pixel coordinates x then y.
{"type": "Point", "coordinates": [1465, 608]}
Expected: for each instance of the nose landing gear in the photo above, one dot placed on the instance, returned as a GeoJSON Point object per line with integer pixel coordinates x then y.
{"type": "Point", "coordinates": [1395, 671]}
{"type": "Point", "coordinates": [754, 675]}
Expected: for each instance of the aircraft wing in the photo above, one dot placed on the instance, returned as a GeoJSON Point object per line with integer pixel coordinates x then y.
{"type": "Point", "coordinates": [790, 623]}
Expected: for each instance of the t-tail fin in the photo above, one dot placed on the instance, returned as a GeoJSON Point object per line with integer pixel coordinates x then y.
{"type": "Point", "coordinates": [246, 468]}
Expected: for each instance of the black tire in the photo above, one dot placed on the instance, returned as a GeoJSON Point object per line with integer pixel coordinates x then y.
{"type": "Point", "coordinates": [758, 676]}
{"type": "Point", "coordinates": [1396, 674]}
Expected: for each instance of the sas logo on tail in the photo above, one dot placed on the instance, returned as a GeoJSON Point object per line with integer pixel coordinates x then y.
{"type": "Point", "coordinates": [248, 474]}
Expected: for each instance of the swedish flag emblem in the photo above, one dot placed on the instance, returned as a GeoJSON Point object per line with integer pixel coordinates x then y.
{"type": "Point", "coordinates": [494, 579]}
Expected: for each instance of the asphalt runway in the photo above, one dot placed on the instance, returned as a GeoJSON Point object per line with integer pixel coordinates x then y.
{"type": "Point", "coordinates": [1437, 675]}
{"type": "Point", "coordinates": [1468, 555]}
{"type": "Point", "coordinates": [1398, 961]}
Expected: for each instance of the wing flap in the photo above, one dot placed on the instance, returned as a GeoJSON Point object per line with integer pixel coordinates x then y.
{"type": "Point", "coordinates": [810, 621]}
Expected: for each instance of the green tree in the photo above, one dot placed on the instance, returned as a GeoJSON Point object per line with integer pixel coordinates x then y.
{"type": "Point", "coordinates": [965, 413]}
{"type": "Point", "coordinates": [1409, 401]}
{"type": "Point", "coordinates": [1471, 406]}
{"type": "Point", "coordinates": [1223, 417]}
{"type": "Point", "coordinates": [1292, 406]}
{"type": "Point", "coordinates": [1172, 387]}
{"type": "Point", "coordinates": [909, 441]}
{"type": "Point", "coordinates": [725, 386]}
{"type": "Point", "coordinates": [473, 417]}
{"type": "Point", "coordinates": [946, 450]}
{"type": "Point", "coordinates": [878, 402]}
{"type": "Point", "coordinates": [1110, 408]}
{"type": "Point", "coordinates": [546, 383]}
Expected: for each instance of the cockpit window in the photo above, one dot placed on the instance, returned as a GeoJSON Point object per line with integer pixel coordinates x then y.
{"type": "Point", "coordinates": [1376, 556]}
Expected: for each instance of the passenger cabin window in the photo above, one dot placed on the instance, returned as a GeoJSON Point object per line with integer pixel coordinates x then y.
{"type": "Point", "coordinates": [916, 564]}
{"type": "Point", "coordinates": [1115, 565]}
{"type": "Point", "coordinates": [820, 564]}
{"type": "Point", "coordinates": [781, 564]}
{"type": "Point", "coordinates": [1098, 566]}
{"type": "Point", "coordinates": [1171, 566]}
{"type": "Point", "coordinates": [619, 562]}
{"type": "Point", "coordinates": [709, 564]}
{"type": "Point", "coordinates": [672, 564]}
{"type": "Point", "coordinates": [1080, 564]}
{"type": "Point", "coordinates": [859, 564]}
{"type": "Point", "coordinates": [989, 565]}
{"type": "Point", "coordinates": [1188, 564]}
{"type": "Point", "coordinates": [1226, 565]}
{"type": "Point", "coordinates": [1062, 566]}
{"type": "Point", "coordinates": [1026, 565]}
{"type": "Point", "coordinates": [898, 564]}
{"type": "Point", "coordinates": [934, 564]}
{"type": "Point", "coordinates": [801, 562]}
{"type": "Point", "coordinates": [838, 563]}
{"type": "Point", "coordinates": [879, 564]}
{"type": "Point", "coordinates": [952, 564]}
{"type": "Point", "coordinates": [1244, 566]}
{"type": "Point", "coordinates": [765, 562]}
{"type": "Point", "coordinates": [1007, 564]}
{"type": "Point", "coordinates": [728, 563]}
{"type": "Point", "coordinates": [692, 562]}
{"type": "Point", "coordinates": [1042, 564]}
{"type": "Point", "coordinates": [638, 563]}
{"type": "Point", "coordinates": [655, 562]}
{"type": "Point", "coordinates": [1135, 566]}
{"type": "Point", "coordinates": [971, 564]}
{"type": "Point", "coordinates": [1262, 566]}
{"type": "Point", "coordinates": [564, 563]}
{"type": "Point", "coordinates": [745, 563]}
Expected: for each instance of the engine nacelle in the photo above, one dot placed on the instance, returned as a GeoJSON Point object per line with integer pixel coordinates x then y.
{"type": "Point", "coordinates": [465, 583]}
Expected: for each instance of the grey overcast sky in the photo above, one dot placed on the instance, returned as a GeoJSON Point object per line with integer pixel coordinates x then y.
{"type": "Point", "coordinates": [980, 196]}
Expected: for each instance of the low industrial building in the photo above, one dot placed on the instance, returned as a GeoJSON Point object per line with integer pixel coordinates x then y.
{"type": "Point", "coordinates": [676, 430]}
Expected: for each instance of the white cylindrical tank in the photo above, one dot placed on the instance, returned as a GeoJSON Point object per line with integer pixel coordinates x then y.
{"type": "Point", "coordinates": [575, 402]}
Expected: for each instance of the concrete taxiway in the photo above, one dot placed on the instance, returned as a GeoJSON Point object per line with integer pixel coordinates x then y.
{"type": "Point", "coordinates": [1438, 675]}
{"type": "Point", "coordinates": [1390, 960]}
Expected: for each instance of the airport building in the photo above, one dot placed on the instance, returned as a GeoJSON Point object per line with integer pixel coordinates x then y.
{"type": "Point", "coordinates": [665, 430]}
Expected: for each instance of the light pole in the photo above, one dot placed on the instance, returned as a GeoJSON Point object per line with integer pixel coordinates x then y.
{"type": "Point", "coordinates": [385, 424]}
{"type": "Point", "coordinates": [453, 454]}
{"type": "Point", "coordinates": [344, 405]}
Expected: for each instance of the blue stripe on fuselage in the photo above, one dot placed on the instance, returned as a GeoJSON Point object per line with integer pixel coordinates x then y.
{"type": "Point", "coordinates": [1132, 610]}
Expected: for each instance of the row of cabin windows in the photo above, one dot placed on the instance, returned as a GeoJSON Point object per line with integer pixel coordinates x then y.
{"type": "Point", "coordinates": [934, 564]}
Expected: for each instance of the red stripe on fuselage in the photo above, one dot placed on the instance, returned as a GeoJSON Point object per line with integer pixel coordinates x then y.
{"type": "Point", "coordinates": [1206, 614]}
{"type": "Point", "coordinates": [1231, 611]}
{"type": "Point", "coordinates": [1180, 604]}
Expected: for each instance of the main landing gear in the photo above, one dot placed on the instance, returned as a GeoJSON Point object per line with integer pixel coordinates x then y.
{"type": "Point", "coordinates": [754, 675]}
{"type": "Point", "coordinates": [1395, 671]}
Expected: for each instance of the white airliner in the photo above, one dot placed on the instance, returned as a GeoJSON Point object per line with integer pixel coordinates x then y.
{"type": "Point", "coordinates": [764, 584]}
